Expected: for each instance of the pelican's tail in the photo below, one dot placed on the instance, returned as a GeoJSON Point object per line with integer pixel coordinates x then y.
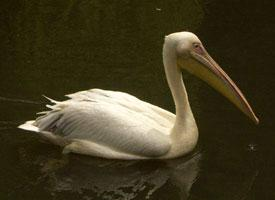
{"type": "Point", "coordinates": [33, 125]}
{"type": "Point", "coordinates": [29, 126]}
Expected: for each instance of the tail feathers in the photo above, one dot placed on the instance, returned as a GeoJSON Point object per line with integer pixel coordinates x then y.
{"type": "Point", "coordinates": [48, 118]}
{"type": "Point", "coordinates": [29, 126]}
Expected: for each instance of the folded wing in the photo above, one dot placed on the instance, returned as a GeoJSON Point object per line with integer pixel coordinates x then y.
{"type": "Point", "coordinates": [113, 119]}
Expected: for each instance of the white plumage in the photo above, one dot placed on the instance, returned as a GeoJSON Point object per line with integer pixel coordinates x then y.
{"type": "Point", "coordinates": [117, 125]}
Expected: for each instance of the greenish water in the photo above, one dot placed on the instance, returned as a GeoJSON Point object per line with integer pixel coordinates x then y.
{"type": "Point", "coordinates": [60, 47]}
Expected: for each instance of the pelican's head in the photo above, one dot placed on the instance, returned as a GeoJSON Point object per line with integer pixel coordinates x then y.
{"type": "Point", "coordinates": [192, 57]}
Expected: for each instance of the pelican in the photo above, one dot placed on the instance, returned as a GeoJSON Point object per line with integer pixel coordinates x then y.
{"type": "Point", "coordinates": [116, 125]}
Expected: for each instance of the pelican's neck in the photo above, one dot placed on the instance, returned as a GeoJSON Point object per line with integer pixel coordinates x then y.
{"type": "Point", "coordinates": [175, 82]}
{"type": "Point", "coordinates": [184, 134]}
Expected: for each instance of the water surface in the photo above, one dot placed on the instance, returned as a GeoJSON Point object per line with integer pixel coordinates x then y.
{"type": "Point", "coordinates": [59, 47]}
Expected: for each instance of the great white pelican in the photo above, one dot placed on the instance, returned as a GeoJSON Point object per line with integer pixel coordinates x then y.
{"type": "Point", "coordinates": [117, 125]}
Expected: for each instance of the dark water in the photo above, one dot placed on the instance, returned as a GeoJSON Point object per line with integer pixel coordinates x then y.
{"type": "Point", "coordinates": [59, 47]}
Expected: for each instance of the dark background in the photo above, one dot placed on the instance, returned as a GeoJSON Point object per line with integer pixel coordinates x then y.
{"type": "Point", "coordinates": [58, 47]}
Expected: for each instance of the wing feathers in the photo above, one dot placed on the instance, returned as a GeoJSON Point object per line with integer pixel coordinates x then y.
{"type": "Point", "coordinates": [114, 119]}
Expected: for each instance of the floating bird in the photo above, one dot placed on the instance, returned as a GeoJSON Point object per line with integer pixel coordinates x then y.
{"type": "Point", "coordinates": [117, 125]}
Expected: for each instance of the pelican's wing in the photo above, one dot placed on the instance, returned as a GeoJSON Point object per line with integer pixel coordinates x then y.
{"type": "Point", "coordinates": [126, 100]}
{"type": "Point", "coordinates": [112, 119]}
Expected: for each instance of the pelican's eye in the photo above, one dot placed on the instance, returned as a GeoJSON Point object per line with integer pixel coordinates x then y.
{"type": "Point", "coordinates": [196, 45]}
{"type": "Point", "coordinates": [198, 48]}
